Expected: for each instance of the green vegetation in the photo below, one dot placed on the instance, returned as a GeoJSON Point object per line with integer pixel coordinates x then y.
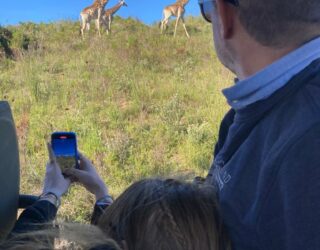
{"type": "Point", "coordinates": [141, 104]}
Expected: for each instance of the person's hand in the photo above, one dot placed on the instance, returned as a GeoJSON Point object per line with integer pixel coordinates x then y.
{"type": "Point", "coordinates": [54, 181]}
{"type": "Point", "coordinates": [88, 177]}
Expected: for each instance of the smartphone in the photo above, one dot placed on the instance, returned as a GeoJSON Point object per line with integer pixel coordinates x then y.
{"type": "Point", "coordinates": [64, 145]}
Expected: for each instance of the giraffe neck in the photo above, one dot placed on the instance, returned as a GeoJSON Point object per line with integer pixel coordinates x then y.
{"type": "Point", "coordinates": [114, 9]}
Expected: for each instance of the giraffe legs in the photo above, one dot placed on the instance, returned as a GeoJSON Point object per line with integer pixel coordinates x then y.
{"type": "Point", "coordinates": [175, 28]}
{"type": "Point", "coordinates": [164, 24]}
{"type": "Point", "coordinates": [82, 32]}
{"type": "Point", "coordinates": [107, 27]}
{"type": "Point", "coordinates": [161, 27]}
{"type": "Point", "coordinates": [98, 26]}
{"type": "Point", "coordinates": [185, 28]}
{"type": "Point", "coordinates": [83, 25]}
{"type": "Point", "coordinates": [98, 22]}
{"type": "Point", "coordinates": [166, 15]}
{"type": "Point", "coordinates": [109, 24]}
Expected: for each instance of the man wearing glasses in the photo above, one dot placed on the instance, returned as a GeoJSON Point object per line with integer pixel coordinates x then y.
{"type": "Point", "coordinates": [267, 160]}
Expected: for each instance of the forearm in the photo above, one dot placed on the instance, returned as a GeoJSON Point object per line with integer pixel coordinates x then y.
{"type": "Point", "coordinates": [34, 217]}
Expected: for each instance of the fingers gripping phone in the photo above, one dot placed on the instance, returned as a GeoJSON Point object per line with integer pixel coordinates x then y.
{"type": "Point", "coordinates": [64, 146]}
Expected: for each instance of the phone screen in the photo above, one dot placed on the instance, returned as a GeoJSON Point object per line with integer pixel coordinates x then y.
{"type": "Point", "coordinates": [64, 146]}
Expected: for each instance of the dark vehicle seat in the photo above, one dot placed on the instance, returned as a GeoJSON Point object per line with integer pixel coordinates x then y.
{"type": "Point", "coordinates": [10, 200]}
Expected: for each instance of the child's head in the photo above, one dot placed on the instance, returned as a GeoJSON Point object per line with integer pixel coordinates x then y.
{"type": "Point", "coordinates": [165, 214]}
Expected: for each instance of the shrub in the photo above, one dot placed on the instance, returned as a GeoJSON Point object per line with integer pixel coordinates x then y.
{"type": "Point", "coordinates": [25, 36]}
{"type": "Point", "coordinates": [5, 37]}
{"type": "Point", "coordinates": [20, 40]}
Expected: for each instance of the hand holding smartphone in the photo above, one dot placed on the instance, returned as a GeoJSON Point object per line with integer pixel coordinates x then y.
{"type": "Point", "coordinates": [75, 165]}
{"type": "Point", "coordinates": [64, 145]}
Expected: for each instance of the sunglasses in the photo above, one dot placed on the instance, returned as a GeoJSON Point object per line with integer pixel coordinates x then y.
{"type": "Point", "coordinates": [207, 6]}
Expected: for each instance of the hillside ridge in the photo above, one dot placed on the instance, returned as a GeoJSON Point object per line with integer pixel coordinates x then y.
{"type": "Point", "coordinates": [142, 104]}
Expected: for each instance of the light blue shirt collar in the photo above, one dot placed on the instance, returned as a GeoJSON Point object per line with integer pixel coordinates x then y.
{"type": "Point", "coordinates": [267, 81]}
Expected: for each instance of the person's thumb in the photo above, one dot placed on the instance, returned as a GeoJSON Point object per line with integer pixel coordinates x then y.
{"type": "Point", "coordinates": [76, 174]}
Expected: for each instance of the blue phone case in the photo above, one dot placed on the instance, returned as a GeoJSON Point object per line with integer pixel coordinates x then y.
{"type": "Point", "coordinates": [65, 144]}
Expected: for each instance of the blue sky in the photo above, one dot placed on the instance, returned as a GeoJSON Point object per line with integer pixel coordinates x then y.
{"type": "Point", "coordinates": [15, 11]}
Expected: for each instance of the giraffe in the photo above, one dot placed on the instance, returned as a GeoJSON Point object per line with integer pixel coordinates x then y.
{"type": "Point", "coordinates": [92, 12]}
{"type": "Point", "coordinates": [177, 10]}
{"type": "Point", "coordinates": [108, 14]}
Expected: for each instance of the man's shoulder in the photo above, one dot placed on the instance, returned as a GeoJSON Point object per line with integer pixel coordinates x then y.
{"type": "Point", "coordinates": [292, 119]}
{"type": "Point", "coordinates": [299, 97]}
{"type": "Point", "coordinates": [311, 94]}
{"type": "Point", "coordinates": [298, 112]}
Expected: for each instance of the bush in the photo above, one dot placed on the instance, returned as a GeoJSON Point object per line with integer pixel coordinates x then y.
{"type": "Point", "coordinates": [5, 37]}
{"type": "Point", "coordinates": [20, 40]}
{"type": "Point", "coordinates": [14, 40]}
{"type": "Point", "coordinates": [25, 36]}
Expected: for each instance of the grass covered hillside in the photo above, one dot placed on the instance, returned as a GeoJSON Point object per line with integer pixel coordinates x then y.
{"type": "Point", "coordinates": [141, 104]}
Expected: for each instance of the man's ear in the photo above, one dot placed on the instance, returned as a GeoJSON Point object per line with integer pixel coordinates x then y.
{"type": "Point", "coordinates": [226, 14]}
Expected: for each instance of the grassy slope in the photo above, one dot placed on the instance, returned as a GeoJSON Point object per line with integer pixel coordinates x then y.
{"type": "Point", "coordinates": [142, 104]}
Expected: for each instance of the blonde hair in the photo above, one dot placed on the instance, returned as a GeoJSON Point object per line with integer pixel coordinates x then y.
{"type": "Point", "coordinates": [62, 236]}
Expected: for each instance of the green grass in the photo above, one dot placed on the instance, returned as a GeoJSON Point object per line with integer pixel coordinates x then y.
{"type": "Point", "coordinates": [141, 104]}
